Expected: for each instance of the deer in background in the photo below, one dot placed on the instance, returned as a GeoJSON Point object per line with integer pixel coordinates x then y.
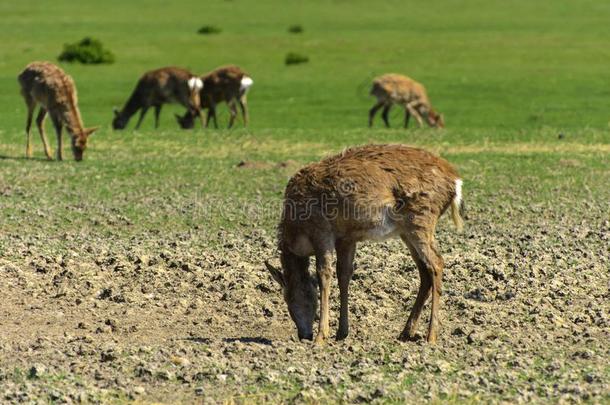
{"type": "Point", "coordinates": [158, 87]}
{"type": "Point", "coordinates": [398, 89]}
{"type": "Point", "coordinates": [365, 193]}
{"type": "Point", "coordinates": [46, 84]}
{"type": "Point", "coordinates": [226, 84]}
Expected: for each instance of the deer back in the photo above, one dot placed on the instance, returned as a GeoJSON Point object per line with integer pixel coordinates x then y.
{"type": "Point", "coordinates": [355, 194]}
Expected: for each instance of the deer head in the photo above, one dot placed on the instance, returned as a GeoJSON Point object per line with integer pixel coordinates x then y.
{"type": "Point", "coordinates": [119, 121]}
{"type": "Point", "coordinates": [435, 119]}
{"type": "Point", "coordinates": [79, 142]}
{"type": "Point", "coordinates": [187, 121]}
{"type": "Point", "coordinates": [300, 292]}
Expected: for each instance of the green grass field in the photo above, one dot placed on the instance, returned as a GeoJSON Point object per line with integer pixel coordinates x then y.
{"type": "Point", "coordinates": [523, 86]}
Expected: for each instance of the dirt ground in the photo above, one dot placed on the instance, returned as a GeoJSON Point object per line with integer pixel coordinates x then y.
{"type": "Point", "coordinates": [164, 317]}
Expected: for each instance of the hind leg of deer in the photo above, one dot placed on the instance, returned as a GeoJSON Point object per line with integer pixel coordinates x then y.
{"type": "Point", "coordinates": [385, 114]}
{"type": "Point", "coordinates": [345, 269]}
{"type": "Point", "coordinates": [42, 114]}
{"type": "Point", "coordinates": [425, 286]}
{"type": "Point", "coordinates": [31, 104]}
{"type": "Point", "coordinates": [157, 113]}
{"type": "Point", "coordinates": [373, 111]}
{"type": "Point", "coordinates": [243, 105]}
{"type": "Point", "coordinates": [233, 112]}
{"type": "Point", "coordinates": [58, 131]}
{"type": "Point", "coordinates": [324, 272]}
{"type": "Point", "coordinates": [142, 114]}
{"type": "Point", "coordinates": [426, 250]}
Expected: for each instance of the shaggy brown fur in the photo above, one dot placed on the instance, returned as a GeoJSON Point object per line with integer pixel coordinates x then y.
{"type": "Point", "coordinates": [398, 89]}
{"type": "Point", "coordinates": [158, 87]}
{"type": "Point", "coordinates": [222, 85]}
{"type": "Point", "coordinates": [365, 193]}
{"type": "Point", "coordinates": [46, 84]}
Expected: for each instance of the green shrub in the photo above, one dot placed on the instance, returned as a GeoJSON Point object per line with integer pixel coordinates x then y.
{"type": "Point", "coordinates": [293, 58]}
{"type": "Point", "coordinates": [87, 51]}
{"type": "Point", "coordinates": [209, 29]}
{"type": "Point", "coordinates": [295, 29]}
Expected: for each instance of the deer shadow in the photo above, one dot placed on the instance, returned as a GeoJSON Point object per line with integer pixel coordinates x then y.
{"type": "Point", "coordinates": [39, 159]}
{"type": "Point", "coordinates": [245, 339]}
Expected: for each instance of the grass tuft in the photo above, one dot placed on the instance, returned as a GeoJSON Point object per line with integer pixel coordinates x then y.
{"type": "Point", "coordinates": [88, 51]}
{"type": "Point", "coordinates": [209, 29]}
{"type": "Point", "coordinates": [295, 29]}
{"type": "Point", "coordinates": [293, 58]}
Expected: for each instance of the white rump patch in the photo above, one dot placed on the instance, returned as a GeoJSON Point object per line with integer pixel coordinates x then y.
{"type": "Point", "coordinates": [245, 84]}
{"type": "Point", "coordinates": [458, 192]}
{"type": "Point", "coordinates": [195, 83]}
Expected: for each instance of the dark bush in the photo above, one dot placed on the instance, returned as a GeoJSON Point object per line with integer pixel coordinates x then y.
{"type": "Point", "coordinates": [87, 51]}
{"type": "Point", "coordinates": [293, 58]}
{"type": "Point", "coordinates": [295, 29]}
{"type": "Point", "coordinates": [209, 29]}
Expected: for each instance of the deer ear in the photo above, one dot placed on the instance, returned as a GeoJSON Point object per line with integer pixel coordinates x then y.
{"type": "Point", "coordinates": [89, 131]}
{"type": "Point", "coordinates": [276, 274]}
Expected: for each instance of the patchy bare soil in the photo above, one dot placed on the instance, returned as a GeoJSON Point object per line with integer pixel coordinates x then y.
{"type": "Point", "coordinates": [160, 317]}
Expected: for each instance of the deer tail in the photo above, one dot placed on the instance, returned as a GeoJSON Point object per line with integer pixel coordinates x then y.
{"type": "Point", "coordinates": [457, 206]}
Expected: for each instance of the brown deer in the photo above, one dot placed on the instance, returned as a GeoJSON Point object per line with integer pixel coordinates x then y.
{"type": "Point", "coordinates": [365, 193]}
{"type": "Point", "coordinates": [46, 84]}
{"type": "Point", "coordinates": [226, 84]}
{"type": "Point", "coordinates": [398, 89]}
{"type": "Point", "coordinates": [158, 87]}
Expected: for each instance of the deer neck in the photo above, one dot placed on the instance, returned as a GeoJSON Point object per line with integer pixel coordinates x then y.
{"type": "Point", "coordinates": [72, 119]}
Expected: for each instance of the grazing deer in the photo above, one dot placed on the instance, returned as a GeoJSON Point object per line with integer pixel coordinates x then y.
{"type": "Point", "coordinates": [365, 193]}
{"type": "Point", "coordinates": [398, 89]}
{"type": "Point", "coordinates": [228, 84]}
{"type": "Point", "coordinates": [46, 84]}
{"type": "Point", "coordinates": [158, 87]}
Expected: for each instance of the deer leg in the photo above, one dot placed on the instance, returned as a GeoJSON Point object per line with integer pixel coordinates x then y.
{"type": "Point", "coordinates": [142, 114]}
{"type": "Point", "coordinates": [422, 295]}
{"type": "Point", "coordinates": [373, 111]}
{"type": "Point", "coordinates": [345, 269]}
{"type": "Point", "coordinates": [407, 116]}
{"type": "Point", "coordinates": [28, 126]}
{"type": "Point", "coordinates": [42, 114]}
{"type": "Point", "coordinates": [324, 272]}
{"type": "Point", "coordinates": [385, 115]}
{"type": "Point", "coordinates": [233, 112]}
{"type": "Point", "coordinates": [243, 105]}
{"type": "Point", "coordinates": [157, 113]}
{"type": "Point", "coordinates": [212, 114]}
{"type": "Point", "coordinates": [411, 108]}
{"type": "Point", "coordinates": [58, 131]}
{"type": "Point", "coordinates": [434, 264]}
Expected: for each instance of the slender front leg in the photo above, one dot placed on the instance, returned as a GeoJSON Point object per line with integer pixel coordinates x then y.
{"type": "Point", "coordinates": [58, 131]}
{"type": "Point", "coordinates": [142, 114]}
{"type": "Point", "coordinates": [42, 114]}
{"type": "Point", "coordinates": [407, 116]}
{"type": "Point", "coordinates": [212, 114]}
{"type": "Point", "coordinates": [345, 269]}
{"type": "Point", "coordinates": [412, 109]}
{"type": "Point", "coordinates": [385, 114]}
{"type": "Point", "coordinates": [243, 104]}
{"type": "Point", "coordinates": [373, 111]}
{"type": "Point", "coordinates": [157, 113]}
{"type": "Point", "coordinates": [324, 271]}
{"type": "Point", "coordinates": [233, 112]}
{"type": "Point", "coordinates": [28, 132]}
